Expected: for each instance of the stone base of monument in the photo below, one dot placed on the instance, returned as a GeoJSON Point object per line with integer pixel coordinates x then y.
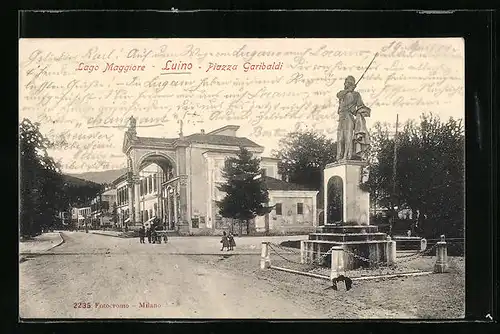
{"type": "Point", "coordinates": [362, 240]}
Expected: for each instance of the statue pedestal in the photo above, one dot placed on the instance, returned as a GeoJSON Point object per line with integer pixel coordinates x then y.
{"type": "Point", "coordinates": [355, 202]}
{"type": "Point", "coordinates": [372, 247]}
{"type": "Point", "coordinates": [359, 243]}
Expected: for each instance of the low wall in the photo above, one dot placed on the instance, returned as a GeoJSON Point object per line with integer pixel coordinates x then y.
{"type": "Point", "coordinates": [410, 243]}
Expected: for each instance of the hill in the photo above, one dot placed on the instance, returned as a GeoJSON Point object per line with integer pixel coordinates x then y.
{"type": "Point", "coordinates": [76, 181]}
{"type": "Point", "coordinates": [106, 176]}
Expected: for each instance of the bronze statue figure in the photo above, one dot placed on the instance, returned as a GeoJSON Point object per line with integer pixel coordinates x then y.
{"type": "Point", "coordinates": [353, 139]}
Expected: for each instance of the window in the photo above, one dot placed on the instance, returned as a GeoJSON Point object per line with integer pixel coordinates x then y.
{"type": "Point", "coordinates": [300, 208]}
{"type": "Point", "coordinates": [263, 171]}
{"type": "Point", "coordinates": [154, 183]}
{"type": "Point", "coordinates": [278, 209]}
{"type": "Point", "coordinates": [228, 163]}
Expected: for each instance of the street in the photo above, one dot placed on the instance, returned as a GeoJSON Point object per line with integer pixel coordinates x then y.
{"type": "Point", "coordinates": [97, 276]}
{"type": "Point", "coordinates": [94, 276]}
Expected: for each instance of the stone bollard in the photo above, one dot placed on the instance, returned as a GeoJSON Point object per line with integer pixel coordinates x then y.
{"type": "Point", "coordinates": [391, 251]}
{"type": "Point", "coordinates": [423, 244]}
{"type": "Point", "coordinates": [265, 260]}
{"type": "Point", "coordinates": [337, 258]}
{"type": "Point", "coordinates": [303, 251]}
{"type": "Point", "coordinates": [441, 265]}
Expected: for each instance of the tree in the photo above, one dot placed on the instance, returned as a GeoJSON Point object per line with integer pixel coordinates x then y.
{"type": "Point", "coordinates": [45, 191]}
{"type": "Point", "coordinates": [430, 173]}
{"type": "Point", "coordinates": [246, 195]}
{"type": "Point", "coordinates": [41, 182]}
{"type": "Point", "coordinates": [303, 156]}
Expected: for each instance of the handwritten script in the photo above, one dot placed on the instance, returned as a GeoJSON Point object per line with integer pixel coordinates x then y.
{"type": "Point", "coordinates": [83, 92]}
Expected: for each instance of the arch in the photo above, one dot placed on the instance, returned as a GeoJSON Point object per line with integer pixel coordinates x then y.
{"type": "Point", "coordinates": [160, 157]}
{"type": "Point", "coordinates": [335, 198]}
{"type": "Point", "coordinates": [321, 217]}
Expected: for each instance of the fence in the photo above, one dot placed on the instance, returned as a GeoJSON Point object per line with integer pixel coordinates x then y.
{"type": "Point", "coordinates": [296, 261]}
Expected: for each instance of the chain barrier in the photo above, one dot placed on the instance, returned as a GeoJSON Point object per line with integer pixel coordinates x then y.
{"type": "Point", "coordinates": [281, 256]}
{"type": "Point", "coordinates": [362, 258]}
{"type": "Point", "coordinates": [319, 262]}
{"type": "Point", "coordinates": [314, 264]}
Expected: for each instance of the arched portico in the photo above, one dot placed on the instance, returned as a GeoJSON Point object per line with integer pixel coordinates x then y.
{"type": "Point", "coordinates": [155, 179]}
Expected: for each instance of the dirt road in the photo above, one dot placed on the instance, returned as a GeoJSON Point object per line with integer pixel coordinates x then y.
{"type": "Point", "coordinates": [95, 276]}
{"type": "Point", "coordinates": [105, 277]}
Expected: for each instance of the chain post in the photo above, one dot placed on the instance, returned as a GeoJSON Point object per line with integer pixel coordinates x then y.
{"type": "Point", "coordinates": [441, 265]}
{"type": "Point", "coordinates": [265, 260]}
{"type": "Point", "coordinates": [337, 262]}
{"type": "Point", "coordinates": [423, 244]}
{"type": "Point", "coordinates": [303, 251]}
{"type": "Point", "coordinates": [391, 251]}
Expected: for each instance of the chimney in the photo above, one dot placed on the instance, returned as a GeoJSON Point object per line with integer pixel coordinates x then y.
{"type": "Point", "coordinates": [202, 131]}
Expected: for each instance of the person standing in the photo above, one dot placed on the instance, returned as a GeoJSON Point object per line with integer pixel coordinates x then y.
{"type": "Point", "coordinates": [230, 240]}
{"type": "Point", "coordinates": [154, 235]}
{"type": "Point", "coordinates": [148, 234]}
{"type": "Point", "coordinates": [224, 242]}
{"type": "Point", "coordinates": [142, 233]}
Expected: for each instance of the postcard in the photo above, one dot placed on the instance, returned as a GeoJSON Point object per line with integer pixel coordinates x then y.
{"type": "Point", "coordinates": [241, 178]}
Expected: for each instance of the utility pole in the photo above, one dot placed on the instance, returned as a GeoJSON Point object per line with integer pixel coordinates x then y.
{"type": "Point", "coordinates": [394, 173]}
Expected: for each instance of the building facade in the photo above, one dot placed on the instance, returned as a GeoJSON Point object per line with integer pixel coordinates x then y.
{"type": "Point", "coordinates": [177, 179]}
{"type": "Point", "coordinates": [80, 215]}
{"type": "Point", "coordinates": [102, 208]}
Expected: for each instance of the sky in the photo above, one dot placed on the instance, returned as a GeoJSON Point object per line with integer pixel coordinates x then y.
{"type": "Point", "coordinates": [82, 92]}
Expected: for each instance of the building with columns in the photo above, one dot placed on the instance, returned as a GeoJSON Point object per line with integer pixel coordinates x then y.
{"type": "Point", "coordinates": [176, 179]}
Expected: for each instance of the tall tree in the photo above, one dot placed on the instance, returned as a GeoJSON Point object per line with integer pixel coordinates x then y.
{"type": "Point", "coordinates": [41, 181]}
{"type": "Point", "coordinates": [246, 195]}
{"type": "Point", "coordinates": [430, 173]}
{"type": "Point", "coordinates": [303, 156]}
{"type": "Point", "coordinates": [44, 190]}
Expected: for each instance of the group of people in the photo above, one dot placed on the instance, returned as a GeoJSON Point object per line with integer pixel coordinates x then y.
{"type": "Point", "coordinates": [151, 234]}
{"type": "Point", "coordinates": [227, 241]}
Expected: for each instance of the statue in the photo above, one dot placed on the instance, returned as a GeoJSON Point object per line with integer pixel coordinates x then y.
{"type": "Point", "coordinates": [132, 124]}
{"type": "Point", "coordinates": [352, 136]}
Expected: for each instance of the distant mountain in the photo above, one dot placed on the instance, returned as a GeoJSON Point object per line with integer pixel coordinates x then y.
{"type": "Point", "coordinates": [76, 181]}
{"type": "Point", "coordinates": [106, 176]}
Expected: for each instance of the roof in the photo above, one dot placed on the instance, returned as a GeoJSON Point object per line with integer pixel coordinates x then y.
{"type": "Point", "coordinates": [199, 138]}
{"type": "Point", "coordinates": [224, 128]}
{"type": "Point", "coordinates": [277, 184]}
{"type": "Point", "coordinates": [109, 192]}
{"type": "Point", "coordinates": [220, 140]}
{"type": "Point", "coordinates": [154, 141]}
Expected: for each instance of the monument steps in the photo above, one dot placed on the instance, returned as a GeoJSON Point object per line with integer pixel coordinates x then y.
{"type": "Point", "coordinates": [345, 237]}
{"type": "Point", "coordinates": [343, 229]}
{"type": "Point", "coordinates": [340, 243]}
